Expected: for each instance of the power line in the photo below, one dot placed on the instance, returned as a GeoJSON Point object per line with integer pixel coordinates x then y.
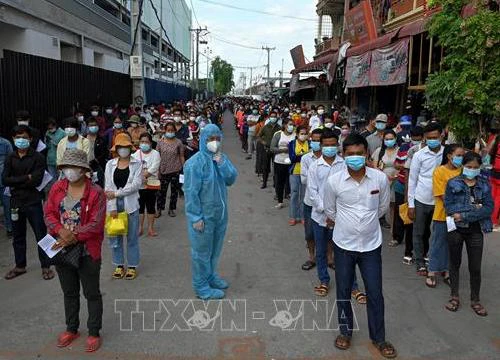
{"type": "Point", "coordinates": [173, 12]}
{"type": "Point", "coordinates": [194, 13]}
{"type": "Point", "coordinates": [234, 43]}
{"type": "Point", "coordinates": [256, 11]}
{"type": "Point", "coordinates": [161, 22]}
{"type": "Point", "coordinates": [137, 26]}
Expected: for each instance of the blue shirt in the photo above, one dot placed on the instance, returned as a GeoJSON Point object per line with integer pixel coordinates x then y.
{"type": "Point", "coordinates": [5, 149]}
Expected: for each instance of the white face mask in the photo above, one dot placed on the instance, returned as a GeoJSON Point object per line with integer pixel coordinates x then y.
{"type": "Point", "coordinates": [192, 118]}
{"type": "Point", "coordinates": [72, 175]}
{"type": "Point", "coordinates": [109, 111]}
{"type": "Point", "coordinates": [213, 146]}
{"type": "Point", "coordinates": [321, 112]}
{"type": "Point", "coordinates": [123, 152]}
{"type": "Point", "coordinates": [80, 118]}
{"type": "Point", "coordinates": [70, 132]}
{"type": "Point", "coordinates": [329, 125]}
{"type": "Point", "coordinates": [94, 113]}
{"type": "Point", "coordinates": [177, 118]}
{"type": "Point", "coordinates": [23, 122]}
{"type": "Point", "coordinates": [134, 125]}
{"type": "Point", "coordinates": [303, 137]}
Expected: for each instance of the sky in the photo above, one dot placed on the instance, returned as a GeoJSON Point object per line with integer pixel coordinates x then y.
{"type": "Point", "coordinates": [256, 30]}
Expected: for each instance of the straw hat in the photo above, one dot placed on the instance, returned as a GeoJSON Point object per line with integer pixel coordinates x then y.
{"type": "Point", "coordinates": [123, 140]}
{"type": "Point", "coordinates": [75, 157]}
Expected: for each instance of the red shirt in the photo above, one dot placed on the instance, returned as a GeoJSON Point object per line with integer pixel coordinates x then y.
{"type": "Point", "coordinates": [93, 204]}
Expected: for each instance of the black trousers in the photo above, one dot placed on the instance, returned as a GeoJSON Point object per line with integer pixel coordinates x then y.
{"type": "Point", "coordinates": [70, 279]}
{"type": "Point", "coordinates": [400, 231]}
{"type": "Point", "coordinates": [474, 246]}
{"type": "Point", "coordinates": [147, 201]}
{"type": "Point", "coordinates": [281, 172]}
{"type": "Point", "coordinates": [34, 215]}
{"type": "Point", "coordinates": [267, 158]}
{"type": "Point", "coordinates": [166, 180]}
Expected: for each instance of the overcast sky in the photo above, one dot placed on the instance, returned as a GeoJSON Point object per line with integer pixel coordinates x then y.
{"type": "Point", "coordinates": [256, 30]}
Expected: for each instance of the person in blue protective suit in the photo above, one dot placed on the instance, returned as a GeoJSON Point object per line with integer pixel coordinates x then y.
{"type": "Point", "coordinates": [206, 177]}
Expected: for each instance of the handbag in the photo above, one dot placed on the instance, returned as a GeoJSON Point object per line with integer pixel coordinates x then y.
{"type": "Point", "coordinates": [117, 226]}
{"type": "Point", "coordinates": [403, 214]}
{"type": "Point", "coordinates": [152, 183]}
{"type": "Point", "coordinates": [69, 256]}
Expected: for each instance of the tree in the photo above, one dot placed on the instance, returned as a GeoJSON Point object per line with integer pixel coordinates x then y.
{"type": "Point", "coordinates": [466, 90]}
{"type": "Point", "coordinates": [223, 76]}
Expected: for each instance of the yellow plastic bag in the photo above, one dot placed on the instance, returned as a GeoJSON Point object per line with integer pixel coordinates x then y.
{"type": "Point", "coordinates": [403, 214]}
{"type": "Point", "coordinates": [117, 226]}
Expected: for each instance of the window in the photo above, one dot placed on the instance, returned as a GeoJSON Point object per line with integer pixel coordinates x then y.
{"type": "Point", "coordinates": [425, 58]}
{"type": "Point", "coordinates": [154, 41]}
{"type": "Point", "coordinates": [145, 35]}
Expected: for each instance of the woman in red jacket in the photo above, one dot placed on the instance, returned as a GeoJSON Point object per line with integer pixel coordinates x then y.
{"type": "Point", "coordinates": [74, 213]}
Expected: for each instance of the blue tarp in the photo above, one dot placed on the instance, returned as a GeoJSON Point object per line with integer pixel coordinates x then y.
{"type": "Point", "coordinates": [157, 91]}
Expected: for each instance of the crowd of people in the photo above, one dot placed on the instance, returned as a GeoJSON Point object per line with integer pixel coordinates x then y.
{"type": "Point", "coordinates": [98, 166]}
{"type": "Point", "coordinates": [343, 182]}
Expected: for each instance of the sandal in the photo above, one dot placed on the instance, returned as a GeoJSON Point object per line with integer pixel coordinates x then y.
{"type": "Point", "coordinates": [308, 265]}
{"type": "Point", "coordinates": [359, 296]}
{"type": "Point", "coordinates": [47, 274]}
{"type": "Point", "coordinates": [14, 273]}
{"type": "Point", "coordinates": [131, 274]}
{"type": "Point", "coordinates": [93, 343]}
{"type": "Point", "coordinates": [422, 271]}
{"type": "Point", "coordinates": [152, 233]}
{"type": "Point", "coordinates": [343, 342]}
{"type": "Point", "coordinates": [321, 290]}
{"type": "Point", "coordinates": [66, 338]}
{"type": "Point", "coordinates": [393, 243]}
{"type": "Point", "coordinates": [431, 281]}
{"type": "Point", "coordinates": [447, 281]}
{"type": "Point", "coordinates": [118, 273]}
{"type": "Point", "coordinates": [453, 304]}
{"type": "Point", "coordinates": [158, 214]}
{"type": "Point", "coordinates": [479, 309]}
{"type": "Point", "coordinates": [386, 349]}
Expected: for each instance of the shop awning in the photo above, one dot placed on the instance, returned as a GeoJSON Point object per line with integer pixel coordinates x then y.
{"type": "Point", "coordinates": [372, 44]}
{"type": "Point", "coordinates": [414, 28]}
{"type": "Point", "coordinates": [316, 65]}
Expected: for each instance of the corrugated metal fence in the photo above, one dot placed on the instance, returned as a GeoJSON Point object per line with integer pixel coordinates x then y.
{"type": "Point", "coordinates": [47, 87]}
{"type": "Point", "coordinates": [157, 91]}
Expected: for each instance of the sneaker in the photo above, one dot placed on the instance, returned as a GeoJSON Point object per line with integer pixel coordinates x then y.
{"type": "Point", "coordinates": [292, 222]}
{"type": "Point", "coordinates": [249, 157]}
{"type": "Point", "coordinates": [171, 213]}
{"type": "Point", "coordinates": [426, 259]}
{"type": "Point", "coordinates": [407, 260]}
{"type": "Point", "coordinates": [279, 206]}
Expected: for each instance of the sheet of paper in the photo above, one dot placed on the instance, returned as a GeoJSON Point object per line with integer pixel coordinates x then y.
{"type": "Point", "coordinates": [46, 244]}
{"type": "Point", "coordinates": [450, 224]}
{"type": "Point", "coordinates": [40, 146]}
{"type": "Point", "coordinates": [6, 192]}
{"type": "Point", "coordinates": [181, 179]}
{"type": "Point", "coordinates": [46, 179]}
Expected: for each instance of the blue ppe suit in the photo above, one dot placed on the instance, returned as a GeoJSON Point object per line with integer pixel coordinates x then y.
{"type": "Point", "coordinates": [205, 191]}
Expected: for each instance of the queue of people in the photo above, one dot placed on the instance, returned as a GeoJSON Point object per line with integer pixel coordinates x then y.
{"type": "Point", "coordinates": [349, 183]}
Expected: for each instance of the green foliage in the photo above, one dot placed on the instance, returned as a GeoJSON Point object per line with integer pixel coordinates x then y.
{"type": "Point", "coordinates": [467, 89]}
{"type": "Point", "coordinates": [223, 76]}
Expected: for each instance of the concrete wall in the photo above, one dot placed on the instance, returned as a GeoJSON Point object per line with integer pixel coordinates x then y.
{"type": "Point", "coordinates": [28, 41]}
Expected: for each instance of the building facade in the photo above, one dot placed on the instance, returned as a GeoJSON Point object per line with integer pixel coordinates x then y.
{"type": "Point", "coordinates": [97, 33]}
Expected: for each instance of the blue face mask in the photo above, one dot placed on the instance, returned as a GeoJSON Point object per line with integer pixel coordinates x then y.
{"type": "Point", "coordinates": [118, 126]}
{"type": "Point", "coordinates": [380, 125]}
{"type": "Point", "coordinates": [22, 143]}
{"type": "Point", "coordinates": [145, 147]}
{"type": "Point", "coordinates": [290, 128]}
{"type": "Point", "coordinates": [169, 135]}
{"type": "Point", "coordinates": [315, 146]}
{"type": "Point", "coordinates": [471, 173]}
{"type": "Point", "coordinates": [272, 120]}
{"type": "Point", "coordinates": [355, 162]}
{"type": "Point", "coordinates": [93, 129]}
{"type": "Point", "coordinates": [433, 143]}
{"type": "Point", "coordinates": [390, 143]}
{"type": "Point", "coordinates": [457, 161]}
{"type": "Point", "coordinates": [329, 151]}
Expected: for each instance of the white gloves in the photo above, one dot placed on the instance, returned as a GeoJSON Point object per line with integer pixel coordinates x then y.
{"type": "Point", "coordinates": [199, 226]}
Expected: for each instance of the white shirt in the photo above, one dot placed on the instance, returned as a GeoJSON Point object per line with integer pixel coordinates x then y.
{"type": "Point", "coordinates": [150, 161]}
{"type": "Point", "coordinates": [318, 174]}
{"type": "Point", "coordinates": [356, 208]}
{"type": "Point", "coordinates": [284, 140]}
{"type": "Point", "coordinates": [305, 163]}
{"type": "Point", "coordinates": [130, 192]}
{"type": "Point", "coordinates": [314, 122]}
{"type": "Point", "coordinates": [420, 180]}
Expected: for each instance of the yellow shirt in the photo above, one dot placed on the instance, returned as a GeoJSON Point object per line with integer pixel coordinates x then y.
{"type": "Point", "coordinates": [439, 180]}
{"type": "Point", "coordinates": [300, 149]}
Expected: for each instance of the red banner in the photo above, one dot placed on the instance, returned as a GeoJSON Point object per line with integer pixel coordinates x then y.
{"type": "Point", "coordinates": [357, 73]}
{"type": "Point", "coordinates": [389, 65]}
{"type": "Point", "coordinates": [359, 24]}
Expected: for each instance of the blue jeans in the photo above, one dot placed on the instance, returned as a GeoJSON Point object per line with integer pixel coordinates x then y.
{"type": "Point", "coordinates": [6, 209]}
{"type": "Point", "coordinates": [297, 191]}
{"type": "Point", "coordinates": [370, 265]}
{"type": "Point", "coordinates": [308, 226]}
{"type": "Point", "coordinates": [322, 236]}
{"type": "Point", "coordinates": [438, 252]}
{"type": "Point", "coordinates": [116, 242]}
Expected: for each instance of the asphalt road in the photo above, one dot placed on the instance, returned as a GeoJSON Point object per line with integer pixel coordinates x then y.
{"type": "Point", "coordinates": [270, 310]}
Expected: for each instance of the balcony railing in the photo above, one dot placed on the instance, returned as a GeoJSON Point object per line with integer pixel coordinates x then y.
{"type": "Point", "coordinates": [328, 44]}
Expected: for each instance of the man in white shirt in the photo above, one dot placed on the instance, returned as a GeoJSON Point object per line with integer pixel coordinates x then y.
{"type": "Point", "coordinates": [354, 199]}
{"type": "Point", "coordinates": [420, 195]}
{"type": "Point", "coordinates": [305, 163]}
{"type": "Point", "coordinates": [318, 173]}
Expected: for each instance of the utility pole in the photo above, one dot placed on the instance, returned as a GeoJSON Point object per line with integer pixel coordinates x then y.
{"type": "Point", "coordinates": [282, 69]}
{"type": "Point", "coordinates": [161, 38]}
{"type": "Point", "coordinates": [136, 28]}
{"type": "Point", "coordinates": [251, 80]}
{"type": "Point", "coordinates": [198, 31]}
{"type": "Point", "coordinates": [268, 49]}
